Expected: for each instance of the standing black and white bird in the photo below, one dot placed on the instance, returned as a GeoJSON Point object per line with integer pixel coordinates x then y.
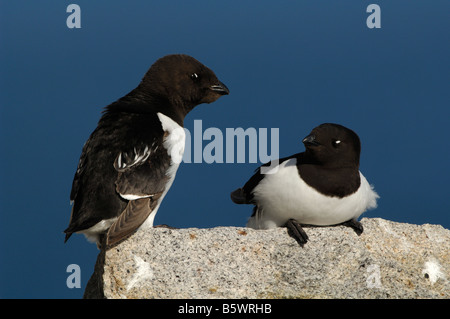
{"type": "Point", "coordinates": [130, 160]}
{"type": "Point", "coordinates": [321, 186]}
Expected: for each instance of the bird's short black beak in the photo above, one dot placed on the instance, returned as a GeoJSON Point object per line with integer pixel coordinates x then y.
{"type": "Point", "coordinates": [310, 140]}
{"type": "Point", "coordinates": [220, 88]}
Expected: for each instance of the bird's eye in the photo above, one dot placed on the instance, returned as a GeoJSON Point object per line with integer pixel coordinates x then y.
{"type": "Point", "coordinates": [336, 143]}
{"type": "Point", "coordinates": [194, 76]}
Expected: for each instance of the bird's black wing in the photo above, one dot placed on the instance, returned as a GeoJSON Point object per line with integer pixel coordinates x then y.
{"type": "Point", "coordinates": [123, 156]}
{"type": "Point", "coordinates": [142, 177]}
{"type": "Point", "coordinates": [142, 169]}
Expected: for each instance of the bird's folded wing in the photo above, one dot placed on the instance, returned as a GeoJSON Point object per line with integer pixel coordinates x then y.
{"type": "Point", "coordinates": [142, 171]}
{"type": "Point", "coordinates": [131, 218]}
{"type": "Point", "coordinates": [142, 179]}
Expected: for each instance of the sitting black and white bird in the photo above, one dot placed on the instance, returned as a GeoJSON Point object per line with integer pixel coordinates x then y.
{"type": "Point", "coordinates": [130, 160]}
{"type": "Point", "coordinates": [321, 186]}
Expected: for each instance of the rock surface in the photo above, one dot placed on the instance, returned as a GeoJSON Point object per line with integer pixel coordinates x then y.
{"type": "Point", "coordinates": [389, 260]}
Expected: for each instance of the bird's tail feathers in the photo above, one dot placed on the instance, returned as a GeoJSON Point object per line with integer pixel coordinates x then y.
{"type": "Point", "coordinates": [239, 197]}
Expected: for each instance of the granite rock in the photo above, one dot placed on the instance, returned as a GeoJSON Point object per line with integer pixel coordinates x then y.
{"type": "Point", "coordinates": [389, 260]}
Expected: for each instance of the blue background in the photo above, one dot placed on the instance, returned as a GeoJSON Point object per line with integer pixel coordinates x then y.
{"type": "Point", "coordinates": [288, 64]}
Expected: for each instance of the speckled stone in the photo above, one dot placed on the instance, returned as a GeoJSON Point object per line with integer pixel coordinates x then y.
{"type": "Point", "coordinates": [389, 260]}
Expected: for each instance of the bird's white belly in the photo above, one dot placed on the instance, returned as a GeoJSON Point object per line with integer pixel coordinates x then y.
{"type": "Point", "coordinates": [284, 195]}
{"type": "Point", "coordinates": [92, 234]}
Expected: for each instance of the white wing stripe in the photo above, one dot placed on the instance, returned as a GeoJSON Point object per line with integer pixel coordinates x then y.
{"type": "Point", "coordinates": [133, 197]}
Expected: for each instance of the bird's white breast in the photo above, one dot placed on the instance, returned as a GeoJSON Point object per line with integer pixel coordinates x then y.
{"type": "Point", "coordinates": [284, 195]}
{"type": "Point", "coordinates": [175, 140]}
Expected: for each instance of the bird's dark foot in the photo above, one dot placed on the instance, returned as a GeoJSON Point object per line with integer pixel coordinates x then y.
{"type": "Point", "coordinates": [164, 226]}
{"type": "Point", "coordinates": [296, 231]}
{"type": "Point", "coordinates": [356, 225]}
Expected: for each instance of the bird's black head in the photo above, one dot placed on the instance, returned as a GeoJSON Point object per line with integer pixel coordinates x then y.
{"type": "Point", "coordinates": [333, 145]}
{"type": "Point", "coordinates": [184, 81]}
